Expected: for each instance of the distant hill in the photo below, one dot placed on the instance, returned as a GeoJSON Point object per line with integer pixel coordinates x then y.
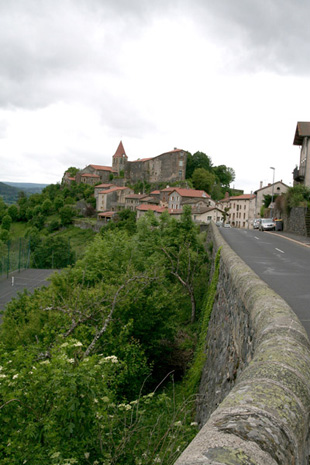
{"type": "Point", "coordinates": [9, 190]}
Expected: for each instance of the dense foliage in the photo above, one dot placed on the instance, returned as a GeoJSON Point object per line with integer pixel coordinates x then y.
{"type": "Point", "coordinates": [215, 180]}
{"type": "Point", "coordinates": [87, 363]}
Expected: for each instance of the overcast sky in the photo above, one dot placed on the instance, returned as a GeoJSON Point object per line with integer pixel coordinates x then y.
{"type": "Point", "coordinates": [228, 78]}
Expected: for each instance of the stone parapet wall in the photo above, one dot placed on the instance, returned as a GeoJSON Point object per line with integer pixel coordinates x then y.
{"type": "Point", "coordinates": [255, 388]}
{"type": "Point", "coordinates": [295, 222]}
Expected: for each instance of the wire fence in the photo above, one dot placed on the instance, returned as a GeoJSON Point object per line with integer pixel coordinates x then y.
{"type": "Point", "coordinates": [14, 256]}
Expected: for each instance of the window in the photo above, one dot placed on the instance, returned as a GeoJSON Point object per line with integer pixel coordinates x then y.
{"type": "Point", "coordinates": [181, 163]}
{"type": "Point", "coordinates": [180, 173]}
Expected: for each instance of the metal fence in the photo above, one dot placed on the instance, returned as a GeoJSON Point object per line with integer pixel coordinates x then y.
{"type": "Point", "coordinates": [14, 256]}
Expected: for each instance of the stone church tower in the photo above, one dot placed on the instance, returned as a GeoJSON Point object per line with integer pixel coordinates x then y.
{"type": "Point", "coordinates": [119, 159]}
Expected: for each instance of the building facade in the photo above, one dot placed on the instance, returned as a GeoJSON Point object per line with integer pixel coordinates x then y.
{"type": "Point", "coordinates": [240, 210]}
{"type": "Point", "coordinates": [273, 189]}
{"type": "Point", "coordinates": [301, 173]}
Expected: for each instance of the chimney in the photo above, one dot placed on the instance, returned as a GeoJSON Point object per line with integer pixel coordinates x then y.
{"type": "Point", "coordinates": [226, 195]}
{"type": "Point", "coordinates": [261, 184]}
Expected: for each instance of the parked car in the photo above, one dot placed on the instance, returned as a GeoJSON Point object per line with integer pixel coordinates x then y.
{"type": "Point", "coordinates": [256, 222]}
{"type": "Point", "coordinates": [227, 225]}
{"type": "Point", "coordinates": [267, 224]}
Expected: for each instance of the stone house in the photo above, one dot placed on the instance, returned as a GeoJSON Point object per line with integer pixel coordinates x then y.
{"type": "Point", "coordinates": [67, 178]}
{"type": "Point", "coordinates": [177, 197]}
{"type": "Point", "coordinates": [301, 173]}
{"type": "Point", "coordinates": [207, 214]}
{"type": "Point", "coordinates": [132, 201]}
{"type": "Point", "coordinates": [276, 188]}
{"type": "Point", "coordinates": [142, 209]}
{"type": "Point", "coordinates": [112, 199]}
{"type": "Point", "coordinates": [102, 187]}
{"type": "Point", "coordinates": [240, 209]}
{"type": "Point", "coordinates": [95, 174]}
{"type": "Point", "coordinates": [106, 217]}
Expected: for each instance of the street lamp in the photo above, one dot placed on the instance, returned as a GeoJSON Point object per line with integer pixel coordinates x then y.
{"type": "Point", "coordinates": [272, 168]}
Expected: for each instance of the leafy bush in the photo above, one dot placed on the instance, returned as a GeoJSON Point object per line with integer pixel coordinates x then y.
{"type": "Point", "coordinates": [297, 196]}
{"type": "Point", "coordinates": [87, 363]}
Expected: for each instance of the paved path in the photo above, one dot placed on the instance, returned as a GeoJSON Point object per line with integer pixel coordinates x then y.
{"type": "Point", "coordinates": [18, 281]}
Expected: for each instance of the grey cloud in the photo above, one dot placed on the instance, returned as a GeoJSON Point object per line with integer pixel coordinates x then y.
{"type": "Point", "coordinates": [273, 35]}
{"type": "Point", "coordinates": [50, 49]}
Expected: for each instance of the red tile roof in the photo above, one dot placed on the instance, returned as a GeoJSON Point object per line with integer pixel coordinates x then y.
{"type": "Point", "coordinates": [141, 159]}
{"type": "Point", "coordinates": [239, 197]}
{"type": "Point", "coordinates": [168, 189]}
{"type": "Point", "coordinates": [107, 214]}
{"type": "Point", "coordinates": [89, 175]}
{"type": "Point", "coordinates": [136, 196]}
{"type": "Point", "coordinates": [113, 189]}
{"type": "Point", "coordinates": [154, 208]}
{"type": "Point", "coordinates": [155, 193]}
{"type": "Point", "coordinates": [104, 185]}
{"type": "Point", "coordinates": [102, 168]}
{"type": "Point", "coordinates": [191, 193]}
{"type": "Point", "coordinates": [120, 151]}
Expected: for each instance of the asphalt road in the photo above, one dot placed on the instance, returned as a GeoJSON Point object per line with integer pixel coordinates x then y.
{"type": "Point", "coordinates": [25, 279]}
{"type": "Point", "coordinates": [283, 264]}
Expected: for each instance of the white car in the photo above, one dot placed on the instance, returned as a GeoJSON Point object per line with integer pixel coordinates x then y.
{"type": "Point", "coordinates": [267, 224]}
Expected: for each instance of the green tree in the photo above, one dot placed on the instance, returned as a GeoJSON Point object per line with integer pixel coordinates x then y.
{"type": "Point", "coordinates": [6, 222]}
{"type": "Point", "coordinates": [224, 174]}
{"type": "Point", "coordinates": [198, 160]}
{"type": "Point", "coordinates": [4, 235]}
{"type": "Point", "coordinates": [47, 207]}
{"type": "Point", "coordinates": [203, 180]}
{"type": "Point", "coordinates": [52, 252]}
{"type": "Point", "coordinates": [72, 171]}
{"type": "Point", "coordinates": [13, 212]}
{"type": "Point", "coordinates": [58, 202]}
{"type": "Point", "coordinates": [66, 214]}
{"type": "Point", "coordinates": [3, 208]}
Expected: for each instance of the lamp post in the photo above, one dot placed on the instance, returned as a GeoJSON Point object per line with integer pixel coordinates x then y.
{"type": "Point", "coordinates": [272, 168]}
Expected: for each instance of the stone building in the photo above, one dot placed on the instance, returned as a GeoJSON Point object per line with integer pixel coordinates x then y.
{"type": "Point", "coordinates": [119, 159]}
{"type": "Point", "coordinates": [167, 167]}
{"type": "Point", "coordinates": [275, 189]}
{"type": "Point", "coordinates": [179, 197]}
{"type": "Point", "coordinates": [113, 199]}
{"type": "Point", "coordinates": [240, 209]}
{"type": "Point", "coordinates": [301, 173]}
{"type": "Point", "coordinates": [95, 174]}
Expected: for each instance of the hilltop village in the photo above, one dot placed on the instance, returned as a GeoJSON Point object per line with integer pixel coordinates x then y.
{"type": "Point", "coordinates": [113, 192]}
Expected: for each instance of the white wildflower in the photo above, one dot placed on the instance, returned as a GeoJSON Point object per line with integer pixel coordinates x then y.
{"type": "Point", "coordinates": [2, 376]}
{"type": "Point", "coordinates": [15, 376]}
{"type": "Point", "coordinates": [194, 423]}
{"type": "Point", "coordinates": [45, 362]}
{"type": "Point", "coordinates": [86, 455]}
{"type": "Point", "coordinates": [71, 360]}
{"type": "Point", "coordinates": [111, 358]}
{"type": "Point", "coordinates": [77, 344]}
